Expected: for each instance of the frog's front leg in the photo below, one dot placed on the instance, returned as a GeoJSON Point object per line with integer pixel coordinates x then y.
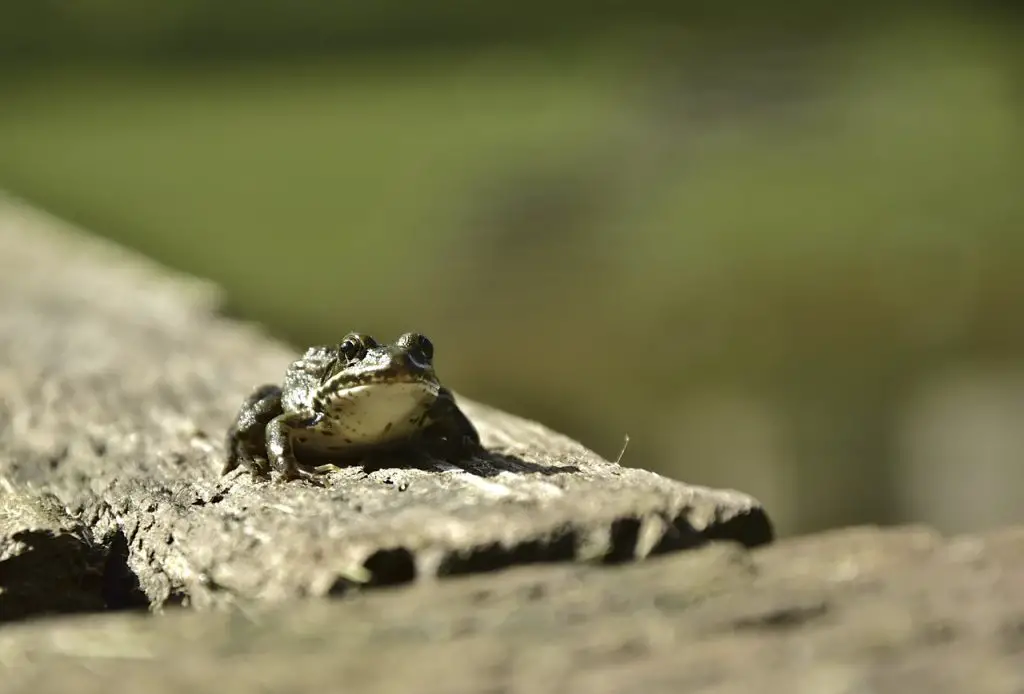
{"type": "Point", "coordinates": [450, 426]}
{"type": "Point", "coordinates": [245, 439]}
{"type": "Point", "coordinates": [279, 443]}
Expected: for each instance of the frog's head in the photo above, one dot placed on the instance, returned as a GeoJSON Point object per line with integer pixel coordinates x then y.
{"type": "Point", "coordinates": [370, 377]}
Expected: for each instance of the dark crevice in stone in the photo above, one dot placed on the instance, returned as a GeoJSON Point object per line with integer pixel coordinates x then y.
{"type": "Point", "coordinates": [751, 529]}
{"type": "Point", "coordinates": [215, 499]}
{"type": "Point", "coordinates": [391, 567]}
{"type": "Point", "coordinates": [679, 536]}
{"type": "Point", "coordinates": [624, 535]}
{"type": "Point", "coordinates": [57, 573]}
{"type": "Point", "coordinates": [62, 573]}
{"type": "Point", "coordinates": [385, 567]}
{"type": "Point", "coordinates": [493, 557]}
{"type": "Point", "coordinates": [121, 589]}
{"type": "Point", "coordinates": [177, 598]}
{"type": "Point", "coordinates": [397, 566]}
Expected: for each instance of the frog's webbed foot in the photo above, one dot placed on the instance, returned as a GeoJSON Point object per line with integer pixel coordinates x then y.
{"type": "Point", "coordinates": [450, 432]}
{"type": "Point", "coordinates": [245, 442]}
{"type": "Point", "coordinates": [326, 468]}
{"type": "Point", "coordinates": [312, 476]}
{"type": "Point", "coordinates": [281, 452]}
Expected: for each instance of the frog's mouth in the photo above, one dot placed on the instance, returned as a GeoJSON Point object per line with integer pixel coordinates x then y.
{"type": "Point", "coordinates": [381, 378]}
{"type": "Point", "coordinates": [366, 387]}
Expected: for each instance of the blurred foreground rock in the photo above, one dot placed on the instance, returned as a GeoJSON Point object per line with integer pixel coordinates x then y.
{"type": "Point", "coordinates": [117, 382]}
{"type": "Point", "coordinates": [862, 610]}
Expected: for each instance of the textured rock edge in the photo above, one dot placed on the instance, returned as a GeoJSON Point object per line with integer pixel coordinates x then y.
{"type": "Point", "coordinates": [54, 559]}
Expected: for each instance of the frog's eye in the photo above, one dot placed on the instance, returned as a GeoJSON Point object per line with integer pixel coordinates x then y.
{"type": "Point", "coordinates": [425, 346]}
{"type": "Point", "coordinates": [416, 343]}
{"type": "Point", "coordinates": [352, 348]}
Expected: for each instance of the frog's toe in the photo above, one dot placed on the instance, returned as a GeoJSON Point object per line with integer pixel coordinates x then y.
{"type": "Point", "coordinates": [313, 477]}
{"type": "Point", "coordinates": [459, 448]}
{"type": "Point", "coordinates": [258, 467]}
{"type": "Point", "coordinates": [259, 474]}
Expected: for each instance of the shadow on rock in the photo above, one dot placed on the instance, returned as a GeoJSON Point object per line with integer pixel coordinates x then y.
{"type": "Point", "coordinates": [487, 464]}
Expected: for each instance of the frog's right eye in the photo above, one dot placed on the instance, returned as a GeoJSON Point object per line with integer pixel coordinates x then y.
{"type": "Point", "coordinates": [352, 349]}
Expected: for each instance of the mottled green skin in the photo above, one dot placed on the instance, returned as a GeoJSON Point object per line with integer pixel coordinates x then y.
{"type": "Point", "coordinates": [341, 402]}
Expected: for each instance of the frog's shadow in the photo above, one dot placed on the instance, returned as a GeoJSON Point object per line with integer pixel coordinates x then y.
{"type": "Point", "coordinates": [486, 464]}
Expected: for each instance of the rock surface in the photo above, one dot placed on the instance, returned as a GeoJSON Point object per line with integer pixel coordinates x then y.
{"type": "Point", "coordinates": [863, 610]}
{"type": "Point", "coordinates": [118, 382]}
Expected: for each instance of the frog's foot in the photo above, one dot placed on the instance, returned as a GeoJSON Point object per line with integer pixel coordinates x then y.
{"type": "Point", "coordinates": [368, 462]}
{"type": "Point", "coordinates": [455, 448]}
{"type": "Point", "coordinates": [451, 435]}
{"type": "Point", "coordinates": [313, 477]}
{"type": "Point", "coordinates": [259, 469]}
{"type": "Point", "coordinates": [245, 442]}
{"type": "Point", "coordinates": [282, 455]}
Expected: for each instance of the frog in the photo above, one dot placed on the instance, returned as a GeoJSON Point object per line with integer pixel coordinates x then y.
{"type": "Point", "coordinates": [342, 402]}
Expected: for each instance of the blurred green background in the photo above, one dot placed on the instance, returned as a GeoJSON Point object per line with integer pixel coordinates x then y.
{"type": "Point", "coordinates": [777, 245]}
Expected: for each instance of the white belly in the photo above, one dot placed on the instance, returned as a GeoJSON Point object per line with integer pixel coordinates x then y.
{"type": "Point", "coordinates": [374, 414]}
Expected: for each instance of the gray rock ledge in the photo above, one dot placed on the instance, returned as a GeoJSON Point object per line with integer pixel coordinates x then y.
{"type": "Point", "coordinates": [117, 383]}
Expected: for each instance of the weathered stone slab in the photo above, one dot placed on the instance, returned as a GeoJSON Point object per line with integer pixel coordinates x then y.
{"type": "Point", "coordinates": [47, 564]}
{"type": "Point", "coordinates": [118, 382]}
{"type": "Point", "coordinates": [900, 611]}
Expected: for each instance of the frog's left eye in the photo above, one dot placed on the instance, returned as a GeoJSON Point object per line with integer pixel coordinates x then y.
{"type": "Point", "coordinates": [425, 346]}
{"type": "Point", "coordinates": [414, 342]}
